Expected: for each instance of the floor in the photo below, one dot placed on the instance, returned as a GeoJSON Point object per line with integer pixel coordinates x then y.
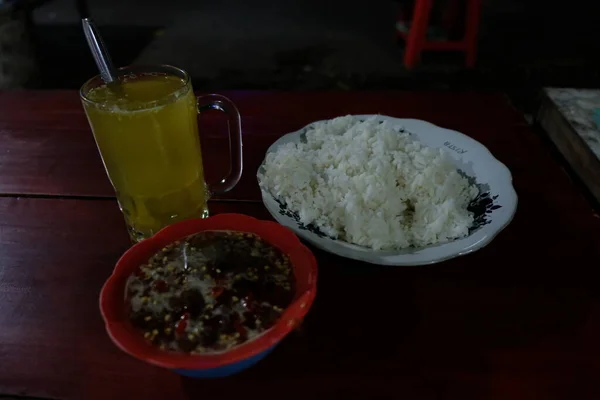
{"type": "Point", "coordinates": [322, 44]}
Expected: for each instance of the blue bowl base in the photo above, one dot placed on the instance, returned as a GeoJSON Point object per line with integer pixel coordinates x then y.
{"type": "Point", "coordinates": [225, 370]}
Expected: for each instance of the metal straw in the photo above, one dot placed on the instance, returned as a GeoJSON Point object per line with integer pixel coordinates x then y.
{"type": "Point", "coordinates": [101, 56]}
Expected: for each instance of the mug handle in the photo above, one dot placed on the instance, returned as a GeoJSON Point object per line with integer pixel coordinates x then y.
{"type": "Point", "coordinates": [222, 103]}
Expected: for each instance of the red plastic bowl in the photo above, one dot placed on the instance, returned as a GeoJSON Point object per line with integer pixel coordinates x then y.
{"type": "Point", "coordinates": [129, 339]}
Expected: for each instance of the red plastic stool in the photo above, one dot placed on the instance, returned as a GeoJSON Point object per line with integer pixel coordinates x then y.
{"type": "Point", "coordinates": [416, 38]}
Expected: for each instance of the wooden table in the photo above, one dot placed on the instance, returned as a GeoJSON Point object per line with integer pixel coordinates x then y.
{"type": "Point", "coordinates": [519, 319]}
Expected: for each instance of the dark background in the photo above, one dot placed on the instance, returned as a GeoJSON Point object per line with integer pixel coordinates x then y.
{"type": "Point", "coordinates": [320, 45]}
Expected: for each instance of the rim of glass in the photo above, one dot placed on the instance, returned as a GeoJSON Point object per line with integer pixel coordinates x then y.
{"type": "Point", "coordinates": [95, 81]}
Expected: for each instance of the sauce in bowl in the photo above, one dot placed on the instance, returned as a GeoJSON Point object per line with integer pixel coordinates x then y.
{"type": "Point", "coordinates": [210, 292]}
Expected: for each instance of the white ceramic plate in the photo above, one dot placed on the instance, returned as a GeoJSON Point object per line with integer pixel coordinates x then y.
{"type": "Point", "coordinates": [493, 209]}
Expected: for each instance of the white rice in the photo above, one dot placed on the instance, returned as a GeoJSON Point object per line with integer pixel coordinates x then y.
{"type": "Point", "coordinates": [368, 184]}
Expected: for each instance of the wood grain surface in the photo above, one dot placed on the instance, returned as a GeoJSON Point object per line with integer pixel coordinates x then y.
{"type": "Point", "coordinates": [519, 319]}
{"type": "Point", "coordinates": [48, 148]}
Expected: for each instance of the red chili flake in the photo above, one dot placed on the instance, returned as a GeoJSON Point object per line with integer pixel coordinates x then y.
{"type": "Point", "coordinates": [240, 329]}
{"type": "Point", "coordinates": [160, 286]}
{"type": "Point", "coordinates": [182, 324]}
{"type": "Point", "coordinates": [217, 291]}
{"type": "Point", "coordinates": [221, 281]}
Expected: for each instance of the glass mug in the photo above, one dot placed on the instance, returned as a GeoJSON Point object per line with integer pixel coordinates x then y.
{"type": "Point", "coordinates": [147, 135]}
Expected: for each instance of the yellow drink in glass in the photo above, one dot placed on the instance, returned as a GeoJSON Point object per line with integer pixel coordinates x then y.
{"type": "Point", "coordinates": [147, 134]}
